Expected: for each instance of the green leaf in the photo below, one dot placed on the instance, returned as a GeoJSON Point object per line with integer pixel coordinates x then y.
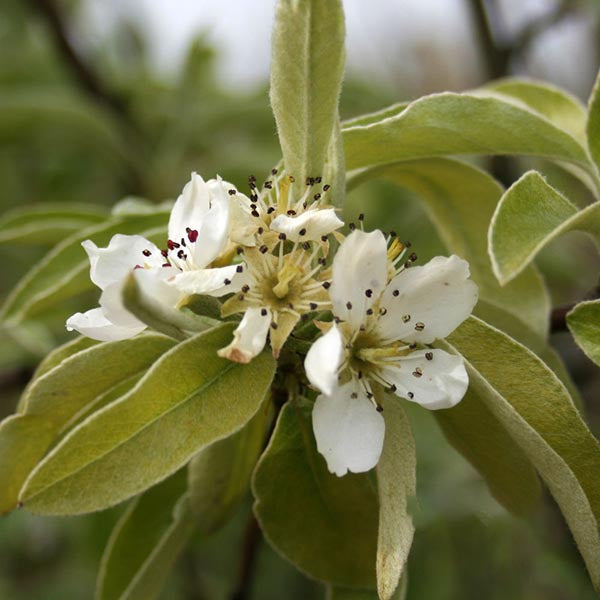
{"type": "Point", "coordinates": [306, 77]}
{"type": "Point", "coordinates": [473, 429]}
{"type": "Point", "coordinates": [189, 399]}
{"type": "Point", "coordinates": [334, 537]}
{"type": "Point", "coordinates": [55, 400]}
{"type": "Point", "coordinates": [460, 200]}
{"type": "Point", "coordinates": [335, 168]}
{"type": "Point", "coordinates": [535, 408]}
{"type": "Point", "coordinates": [584, 323]}
{"type": "Point", "coordinates": [558, 106]}
{"type": "Point", "coordinates": [168, 320]}
{"type": "Point", "coordinates": [64, 271]}
{"type": "Point", "coordinates": [145, 543]}
{"type": "Point", "coordinates": [53, 359]}
{"type": "Point", "coordinates": [449, 123]}
{"type": "Point", "coordinates": [593, 123]}
{"type": "Point", "coordinates": [374, 117]}
{"type": "Point", "coordinates": [531, 214]}
{"type": "Point", "coordinates": [397, 482]}
{"type": "Point", "coordinates": [219, 475]}
{"type": "Point", "coordinates": [48, 224]}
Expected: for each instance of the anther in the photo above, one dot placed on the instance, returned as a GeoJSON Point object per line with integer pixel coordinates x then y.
{"type": "Point", "coordinates": [318, 179]}
{"type": "Point", "coordinates": [232, 192]}
{"type": "Point", "coordinates": [317, 197]}
{"type": "Point", "coordinates": [368, 293]}
{"type": "Point", "coordinates": [270, 210]}
{"type": "Point", "coordinates": [413, 345]}
{"type": "Point", "coordinates": [413, 257]}
{"type": "Point", "coordinates": [192, 235]}
{"type": "Point", "coordinates": [379, 408]}
{"type": "Point", "coordinates": [407, 244]}
{"type": "Point", "coordinates": [260, 230]}
{"type": "Point", "coordinates": [393, 233]}
{"type": "Point", "coordinates": [383, 311]}
{"type": "Point", "coordinates": [429, 355]}
{"type": "Point", "coordinates": [269, 184]}
{"type": "Point", "coordinates": [407, 264]}
{"type": "Point", "coordinates": [395, 293]}
{"type": "Point", "coordinates": [302, 231]}
{"type": "Point", "coordinates": [313, 306]}
{"type": "Point", "coordinates": [245, 288]}
{"type": "Point", "coordinates": [324, 238]}
{"type": "Point", "coordinates": [239, 250]}
{"type": "Point", "coordinates": [410, 395]}
{"type": "Point", "coordinates": [417, 372]}
{"type": "Point", "coordinates": [226, 281]}
{"type": "Point", "coordinates": [369, 311]}
{"type": "Point", "coordinates": [392, 388]}
{"type": "Point", "coordinates": [354, 395]}
{"type": "Point", "coordinates": [349, 305]}
{"type": "Point", "coordinates": [420, 326]}
{"type": "Point", "coordinates": [406, 318]}
{"type": "Point", "coordinates": [352, 226]}
{"type": "Point", "coordinates": [326, 187]}
{"type": "Point", "coordinates": [239, 268]}
{"type": "Point", "coordinates": [273, 325]}
{"type": "Point", "coordinates": [282, 236]}
{"type": "Point", "coordinates": [291, 212]}
{"type": "Point", "coordinates": [273, 171]}
{"type": "Point", "coordinates": [322, 261]}
{"type": "Point", "coordinates": [254, 213]}
{"type": "Point", "coordinates": [306, 246]}
{"type": "Point", "coordinates": [361, 217]}
{"type": "Point", "coordinates": [172, 245]}
{"type": "Point", "coordinates": [165, 253]}
{"type": "Point", "coordinates": [146, 252]}
{"type": "Point", "coordinates": [327, 284]}
{"type": "Point", "coordinates": [263, 249]}
{"type": "Point", "coordinates": [263, 312]}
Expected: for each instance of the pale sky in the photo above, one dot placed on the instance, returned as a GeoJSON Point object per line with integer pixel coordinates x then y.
{"type": "Point", "coordinates": [387, 40]}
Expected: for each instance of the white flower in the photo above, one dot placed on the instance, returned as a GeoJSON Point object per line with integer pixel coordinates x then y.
{"type": "Point", "coordinates": [109, 268]}
{"type": "Point", "coordinates": [383, 314]}
{"type": "Point", "coordinates": [284, 271]}
{"type": "Point", "coordinates": [199, 236]}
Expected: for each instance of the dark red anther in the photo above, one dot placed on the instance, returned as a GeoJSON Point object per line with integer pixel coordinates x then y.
{"type": "Point", "coordinates": [165, 253]}
{"type": "Point", "coordinates": [137, 267]}
{"type": "Point", "coordinates": [171, 245]}
{"type": "Point", "coordinates": [192, 235]}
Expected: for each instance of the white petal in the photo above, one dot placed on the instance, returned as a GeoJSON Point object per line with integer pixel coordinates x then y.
{"type": "Point", "coordinates": [324, 359]}
{"type": "Point", "coordinates": [153, 284]}
{"type": "Point", "coordinates": [442, 383]}
{"type": "Point", "coordinates": [359, 268]}
{"type": "Point", "coordinates": [250, 336]}
{"type": "Point", "coordinates": [95, 325]}
{"type": "Point", "coordinates": [124, 252]}
{"type": "Point", "coordinates": [438, 295]}
{"type": "Point", "coordinates": [211, 282]}
{"type": "Point", "coordinates": [242, 225]}
{"type": "Point", "coordinates": [191, 206]}
{"type": "Point", "coordinates": [205, 212]}
{"type": "Point", "coordinates": [309, 225]}
{"type": "Point", "coordinates": [349, 431]}
{"type": "Point", "coordinates": [111, 302]}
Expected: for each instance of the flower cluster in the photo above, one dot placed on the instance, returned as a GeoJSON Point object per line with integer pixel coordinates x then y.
{"type": "Point", "coordinates": [267, 255]}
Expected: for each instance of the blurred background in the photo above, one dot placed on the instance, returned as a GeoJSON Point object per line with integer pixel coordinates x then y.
{"type": "Point", "coordinates": [106, 99]}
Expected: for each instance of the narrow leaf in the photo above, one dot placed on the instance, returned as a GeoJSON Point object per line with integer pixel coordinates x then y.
{"type": "Point", "coordinates": [531, 214]}
{"type": "Point", "coordinates": [535, 408]}
{"type": "Point", "coordinates": [306, 77]}
{"type": "Point", "coordinates": [187, 400]}
{"type": "Point", "coordinates": [460, 199]}
{"type": "Point", "coordinates": [47, 224]}
{"type": "Point", "coordinates": [558, 106]}
{"type": "Point", "coordinates": [449, 123]}
{"type": "Point", "coordinates": [584, 323]}
{"type": "Point", "coordinates": [165, 319]}
{"type": "Point", "coordinates": [396, 479]}
{"type": "Point", "coordinates": [335, 538]}
{"type": "Point", "coordinates": [593, 123]}
{"type": "Point", "coordinates": [145, 543]}
{"type": "Point", "coordinates": [58, 398]}
{"type": "Point", "coordinates": [219, 476]}
{"type": "Point", "coordinates": [64, 271]}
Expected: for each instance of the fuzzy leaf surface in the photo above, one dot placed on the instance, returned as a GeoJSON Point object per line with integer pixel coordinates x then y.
{"type": "Point", "coordinates": [187, 400]}
{"type": "Point", "coordinates": [529, 216]}
{"type": "Point", "coordinates": [584, 323]}
{"type": "Point", "coordinates": [332, 535]}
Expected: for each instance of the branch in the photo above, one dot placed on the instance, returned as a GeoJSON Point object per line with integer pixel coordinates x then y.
{"type": "Point", "coordinates": [252, 539]}
{"type": "Point", "coordinates": [82, 73]}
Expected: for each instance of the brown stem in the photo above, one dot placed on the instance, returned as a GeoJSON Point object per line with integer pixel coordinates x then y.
{"type": "Point", "coordinates": [90, 83]}
{"type": "Point", "coordinates": [252, 539]}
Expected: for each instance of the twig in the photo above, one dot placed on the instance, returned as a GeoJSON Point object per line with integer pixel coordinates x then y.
{"type": "Point", "coordinates": [89, 82]}
{"type": "Point", "coordinates": [82, 73]}
{"type": "Point", "coordinates": [252, 539]}
{"type": "Point", "coordinates": [558, 316]}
